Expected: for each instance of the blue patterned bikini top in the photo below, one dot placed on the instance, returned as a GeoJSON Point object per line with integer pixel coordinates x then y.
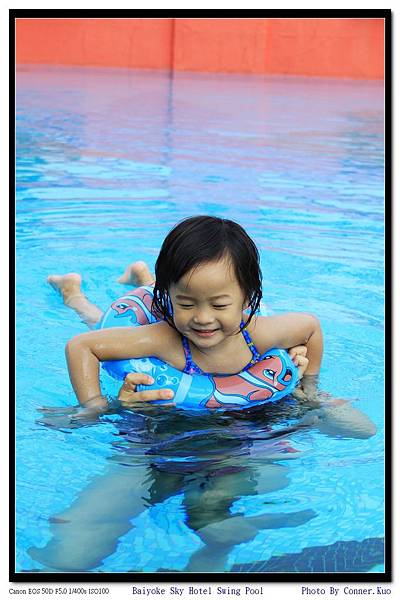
{"type": "Point", "coordinates": [191, 368]}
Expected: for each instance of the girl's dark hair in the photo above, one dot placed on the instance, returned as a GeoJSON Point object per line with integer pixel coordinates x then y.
{"type": "Point", "coordinates": [203, 239]}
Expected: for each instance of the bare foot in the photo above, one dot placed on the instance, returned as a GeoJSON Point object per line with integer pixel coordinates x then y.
{"type": "Point", "coordinates": [68, 285]}
{"type": "Point", "coordinates": [137, 273]}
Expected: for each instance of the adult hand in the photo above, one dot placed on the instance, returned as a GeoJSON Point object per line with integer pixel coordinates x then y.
{"type": "Point", "coordinates": [130, 398]}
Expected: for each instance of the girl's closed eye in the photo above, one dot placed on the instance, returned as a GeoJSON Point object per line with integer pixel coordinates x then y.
{"type": "Point", "coordinates": [214, 305]}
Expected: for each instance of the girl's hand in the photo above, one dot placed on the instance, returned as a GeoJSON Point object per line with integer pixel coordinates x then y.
{"type": "Point", "coordinates": [91, 410]}
{"type": "Point", "coordinates": [302, 364]}
{"type": "Point", "coordinates": [130, 398]}
{"type": "Point", "coordinates": [70, 417]}
{"type": "Point", "coordinates": [298, 354]}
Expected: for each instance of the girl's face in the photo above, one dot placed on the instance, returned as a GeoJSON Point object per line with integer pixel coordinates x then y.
{"type": "Point", "coordinates": [208, 303]}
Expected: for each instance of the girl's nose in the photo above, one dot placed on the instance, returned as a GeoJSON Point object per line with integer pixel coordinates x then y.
{"type": "Point", "coordinates": [203, 317]}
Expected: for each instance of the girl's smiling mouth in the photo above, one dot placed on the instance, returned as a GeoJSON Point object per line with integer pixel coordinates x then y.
{"type": "Point", "coordinates": [204, 332]}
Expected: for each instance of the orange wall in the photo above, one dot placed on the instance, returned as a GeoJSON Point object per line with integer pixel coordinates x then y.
{"type": "Point", "coordinates": [322, 47]}
{"type": "Point", "coordinates": [139, 43]}
{"type": "Point", "coordinates": [335, 47]}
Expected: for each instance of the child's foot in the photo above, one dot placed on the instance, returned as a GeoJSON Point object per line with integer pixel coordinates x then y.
{"type": "Point", "coordinates": [68, 285]}
{"type": "Point", "coordinates": [137, 273]}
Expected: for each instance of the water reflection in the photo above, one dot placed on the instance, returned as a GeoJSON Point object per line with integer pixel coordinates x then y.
{"type": "Point", "coordinates": [212, 461]}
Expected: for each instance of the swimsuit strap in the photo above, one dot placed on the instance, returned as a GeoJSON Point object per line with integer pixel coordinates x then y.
{"type": "Point", "coordinates": [255, 353]}
{"type": "Point", "coordinates": [192, 369]}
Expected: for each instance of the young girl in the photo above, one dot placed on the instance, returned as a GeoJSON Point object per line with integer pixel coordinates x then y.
{"type": "Point", "coordinates": [207, 276]}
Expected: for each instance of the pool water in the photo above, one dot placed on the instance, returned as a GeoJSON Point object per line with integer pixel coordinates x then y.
{"type": "Point", "coordinates": [107, 162]}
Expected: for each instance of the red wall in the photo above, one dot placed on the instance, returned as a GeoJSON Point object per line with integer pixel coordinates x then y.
{"type": "Point", "coordinates": [321, 47]}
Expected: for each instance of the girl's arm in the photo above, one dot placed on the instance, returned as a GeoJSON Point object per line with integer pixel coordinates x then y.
{"type": "Point", "coordinates": [292, 329]}
{"type": "Point", "coordinates": [331, 416]}
{"type": "Point", "coordinates": [338, 418]}
{"type": "Point", "coordinates": [85, 352]}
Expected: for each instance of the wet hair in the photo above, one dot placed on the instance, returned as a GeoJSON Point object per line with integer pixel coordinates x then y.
{"type": "Point", "coordinates": [199, 240]}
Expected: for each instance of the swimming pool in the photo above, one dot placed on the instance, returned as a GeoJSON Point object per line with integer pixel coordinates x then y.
{"type": "Point", "coordinates": [107, 162]}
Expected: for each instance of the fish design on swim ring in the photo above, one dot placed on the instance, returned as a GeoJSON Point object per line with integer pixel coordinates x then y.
{"type": "Point", "coordinates": [261, 383]}
{"type": "Point", "coordinates": [132, 309]}
{"type": "Point", "coordinates": [270, 379]}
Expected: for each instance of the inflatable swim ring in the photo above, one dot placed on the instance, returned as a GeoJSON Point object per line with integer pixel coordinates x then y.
{"type": "Point", "coordinates": [270, 379]}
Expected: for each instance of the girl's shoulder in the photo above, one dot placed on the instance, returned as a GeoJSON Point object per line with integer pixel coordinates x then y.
{"type": "Point", "coordinates": [259, 329]}
{"type": "Point", "coordinates": [161, 332]}
{"type": "Point", "coordinates": [282, 330]}
{"type": "Point", "coordinates": [266, 331]}
{"type": "Point", "coordinates": [168, 343]}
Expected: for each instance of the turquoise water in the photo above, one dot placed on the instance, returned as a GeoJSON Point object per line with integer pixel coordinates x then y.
{"type": "Point", "coordinates": [107, 162]}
